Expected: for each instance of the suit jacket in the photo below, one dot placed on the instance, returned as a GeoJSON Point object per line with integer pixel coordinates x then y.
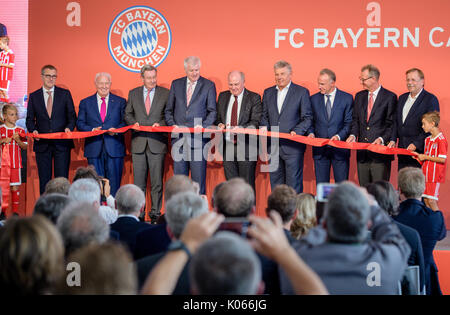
{"type": "Point", "coordinates": [135, 112]}
{"type": "Point", "coordinates": [431, 227]}
{"type": "Point", "coordinates": [151, 241]}
{"type": "Point", "coordinates": [411, 130]}
{"type": "Point", "coordinates": [89, 118]}
{"type": "Point", "coordinates": [63, 116]}
{"type": "Point", "coordinates": [380, 124]}
{"type": "Point", "coordinates": [202, 105]}
{"type": "Point", "coordinates": [295, 115]}
{"type": "Point", "coordinates": [249, 114]}
{"type": "Point", "coordinates": [416, 257]}
{"type": "Point", "coordinates": [128, 228]}
{"type": "Point", "coordinates": [345, 268]}
{"type": "Point", "coordinates": [339, 123]}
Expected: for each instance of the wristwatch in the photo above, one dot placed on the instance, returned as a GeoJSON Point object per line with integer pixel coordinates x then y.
{"type": "Point", "coordinates": [177, 245]}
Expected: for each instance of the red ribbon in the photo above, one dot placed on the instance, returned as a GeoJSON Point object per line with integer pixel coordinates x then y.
{"type": "Point", "coordinates": [317, 142]}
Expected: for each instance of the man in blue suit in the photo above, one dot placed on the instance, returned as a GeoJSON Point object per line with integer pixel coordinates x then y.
{"type": "Point", "coordinates": [50, 109]}
{"type": "Point", "coordinates": [332, 119]}
{"type": "Point", "coordinates": [104, 111]}
{"type": "Point", "coordinates": [408, 121]}
{"type": "Point", "coordinates": [286, 106]}
{"type": "Point", "coordinates": [191, 103]}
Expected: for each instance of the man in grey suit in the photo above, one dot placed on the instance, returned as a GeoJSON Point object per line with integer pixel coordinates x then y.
{"type": "Point", "coordinates": [145, 107]}
{"type": "Point", "coordinates": [242, 108]}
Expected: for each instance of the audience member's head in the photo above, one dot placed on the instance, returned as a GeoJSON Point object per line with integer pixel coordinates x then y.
{"type": "Point", "coordinates": [225, 265]}
{"type": "Point", "coordinates": [51, 206]}
{"type": "Point", "coordinates": [80, 224]}
{"type": "Point", "coordinates": [214, 193]}
{"type": "Point", "coordinates": [85, 190]}
{"type": "Point", "coordinates": [58, 185]}
{"type": "Point", "coordinates": [385, 195]}
{"type": "Point", "coordinates": [283, 200]}
{"type": "Point", "coordinates": [130, 199]}
{"type": "Point", "coordinates": [347, 214]}
{"type": "Point", "coordinates": [182, 207]}
{"type": "Point", "coordinates": [178, 184]}
{"type": "Point", "coordinates": [86, 172]}
{"type": "Point", "coordinates": [306, 215]}
{"type": "Point", "coordinates": [235, 198]}
{"type": "Point", "coordinates": [105, 268]}
{"type": "Point", "coordinates": [411, 182]}
{"type": "Point", "coordinates": [31, 256]}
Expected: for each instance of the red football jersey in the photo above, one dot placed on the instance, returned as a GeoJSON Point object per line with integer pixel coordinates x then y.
{"type": "Point", "coordinates": [7, 58]}
{"type": "Point", "coordinates": [14, 149]}
{"type": "Point", "coordinates": [435, 147]}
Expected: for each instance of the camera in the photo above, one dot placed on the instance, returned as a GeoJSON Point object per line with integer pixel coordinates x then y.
{"type": "Point", "coordinates": [323, 191]}
{"type": "Point", "coordinates": [238, 225]}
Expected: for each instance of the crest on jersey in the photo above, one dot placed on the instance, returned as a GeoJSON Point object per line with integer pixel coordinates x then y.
{"type": "Point", "coordinates": [138, 36]}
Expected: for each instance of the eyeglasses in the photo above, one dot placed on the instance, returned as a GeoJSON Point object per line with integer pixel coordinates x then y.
{"type": "Point", "coordinates": [48, 76]}
{"type": "Point", "coordinates": [364, 80]}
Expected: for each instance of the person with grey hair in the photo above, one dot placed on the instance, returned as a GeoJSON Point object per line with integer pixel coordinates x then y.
{"type": "Point", "coordinates": [145, 107]}
{"type": "Point", "coordinates": [51, 206]}
{"type": "Point", "coordinates": [80, 224]}
{"type": "Point", "coordinates": [332, 119]}
{"type": "Point", "coordinates": [88, 190]}
{"type": "Point", "coordinates": [287, 109]}
{"type": "Point", "coordinates": [428, 223]}
{"type": "Point", "coordinates": [156, 240]}
{"type": "Point", "coordinates": [179, 210]}
{"type": "Point", "coordinates": [130, 202]}
{"type": "Point", "coordinates": [191, 103]}
{"type": "Point", "coordinates": [59, 185]}
{"type": "Point", "coordinates": [235, 198]}
{"type": "Point", "coordinates": [342, 254]}
{"type": "Point", "coordinates": [239, 107]}
{"type": "Point", "coordinates": [104, 111]}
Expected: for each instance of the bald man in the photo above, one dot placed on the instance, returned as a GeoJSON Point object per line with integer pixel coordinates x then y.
{"type": "Point", "coordinates": [239, 108]}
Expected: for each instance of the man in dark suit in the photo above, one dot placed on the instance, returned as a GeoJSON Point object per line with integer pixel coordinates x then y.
{"type": "Point", "coordinates": [104, 111]}
{"type": "Point", "coordinates": [145, 107]}
{"type": "Point", "coordinates": [130, 201]}
{"type": "Point", "coordinates": [192, 103]}
{"type": "Point", "coordinates": [428, 223]}
{"type": "Point", "coordinates": [50, 109]}
{"type": "Point", "coordinates": [241, 108]}
{"type": "Point", "coordinates": [332, 118]}
{"type": "Point", "coordinates": [373, 122]}
{"type": "Point", "coordinates": [287, 107]}
{"type": "Point", "coordinates": [408, 121]}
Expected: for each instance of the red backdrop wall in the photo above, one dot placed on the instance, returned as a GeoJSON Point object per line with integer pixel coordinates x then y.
{"type": "Point", "coordinates": [243, 35]}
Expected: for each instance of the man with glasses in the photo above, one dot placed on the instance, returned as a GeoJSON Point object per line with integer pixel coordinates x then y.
{"type": "Point", "coordinates": [373, 122]}
{"type": "Point", "coordinates": [50, 109]}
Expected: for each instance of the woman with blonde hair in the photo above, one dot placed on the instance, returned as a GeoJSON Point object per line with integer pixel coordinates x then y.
{"type": "Point", "coordinates": [306, 217]}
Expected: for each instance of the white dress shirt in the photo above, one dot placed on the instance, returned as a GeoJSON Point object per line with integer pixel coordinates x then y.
{"type": "Point", "coordinates": [230, 109]}
{"type": "Point", "coordinates": [409, 103]}
{"type": "Point", "coordinates": [46, 94]}
{"type": "Point", "coordinates": [281, 96]}
{"type": "Point", "coordinates": [99, 102]}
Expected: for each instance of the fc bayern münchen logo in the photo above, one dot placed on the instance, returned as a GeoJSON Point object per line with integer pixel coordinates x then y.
{"type": "Point", "coordinates": [138, 36]}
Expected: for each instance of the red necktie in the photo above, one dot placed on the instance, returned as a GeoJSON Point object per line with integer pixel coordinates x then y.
{"type": "Point", "coordinates": [234, 110]}
{"type": "Point", "coordinates": [49, 104]}
{"type": "Point", "coordinates": [147, 103]}
{"type": "Point", "coordinates": [103, 110]}
{"type": "Point", "coordinates": [369, 108]}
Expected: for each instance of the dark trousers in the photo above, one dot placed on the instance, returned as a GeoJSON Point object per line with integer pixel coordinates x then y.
{"type": "Point", "coordinates": [406, 160]}
{"type": "Point", "coordinates": [322, 168]}
{"type": "Point", "coordinates": [236, 164]}
{"type": "Point", "coordinates": [370, 171]}
{"type": "Point", "coordinates": [110, 168]}
{"type": "Point", "coordinates": [289, 172]}
{"type": "Point", "coordinates": [192, 160]}
{"type": "Point", "coordinates": [52, 159]}
{"type": "Point", "coordinates": [143, 164]}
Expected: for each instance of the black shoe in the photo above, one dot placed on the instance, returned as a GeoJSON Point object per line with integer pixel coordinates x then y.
{"type": "Point", "coordinates": [154, 219]}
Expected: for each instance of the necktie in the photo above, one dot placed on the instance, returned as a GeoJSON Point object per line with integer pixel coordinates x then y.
{"type": "Point", "coordinates": [369, 108]}
{"type": "Point", "coordinates": [103, 109]}
{"type": "Point", "coordinates": [328, 106]}
{"type": "Point", "coordinates": [49, 103]}
{"type": "Point", "coordinates": [189, 93]}
{"type": "Point", "coordinates": [233, 121]}
{"type": "Point", "coordinates": [147, 103]}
